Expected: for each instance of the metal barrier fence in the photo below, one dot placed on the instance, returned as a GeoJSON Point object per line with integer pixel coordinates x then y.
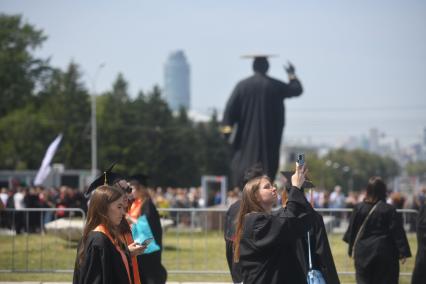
{"type": "Point", "coordinates": [194, 243]}
{"type": "Point", "coordinates": [33, 239]}
{"type": "Point", "coordinates": [192, 239]}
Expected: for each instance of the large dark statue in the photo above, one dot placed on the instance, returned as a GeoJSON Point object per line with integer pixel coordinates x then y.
{"type": "Point", "coordinates": [254, 119]}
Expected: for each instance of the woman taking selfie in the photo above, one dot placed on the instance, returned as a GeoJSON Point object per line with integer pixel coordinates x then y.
{"type": "Point", "coordinates": [265, 241]}
{"type": "Point", "coordinates": [103, 256]}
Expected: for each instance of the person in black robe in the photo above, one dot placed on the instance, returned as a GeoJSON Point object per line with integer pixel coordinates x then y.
{"type": "Point", "coordinates": [254, 118]}
{"type": "Point", "coordinates": [381, 243]}
{"type": "Point", "coordinates": [419, 273]}
{"type": "Point", "coordinates": [151, 270]}
{"type": "Point", "coordinates": [265, 240]}
{"type": "Point", "coordinates": [230, 217]}
{"type": "Point", "coordinates": [108, 177]}
{"type": "Point", "coordinates": [102, 255]}
{"type": "Point", "coordinates": [254, 171]}
{"type": "Point", "coordinates": [322, 258]}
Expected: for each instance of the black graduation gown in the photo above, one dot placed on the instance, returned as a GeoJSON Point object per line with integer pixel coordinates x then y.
{"type": "Point", "coordinates": [267, 253]}
{"type": "Point", "coordinates": [322, 258]}
{"type": "Point", "coordinates": [256, 111]}
{"type": "Point", "coordinates": [151, 270]}
{"type": "Point", "coordinates": [102, 263]}
{"type": "Point", "coordinates": [419, 273]}
{"type": "Point", "coordinates": [229, 231]}
{"type": "Point", "coordinates": [381, 244]}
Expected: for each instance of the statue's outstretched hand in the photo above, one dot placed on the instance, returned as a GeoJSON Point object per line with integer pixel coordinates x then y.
{"type": "Point", "coordinates": [291, 71]}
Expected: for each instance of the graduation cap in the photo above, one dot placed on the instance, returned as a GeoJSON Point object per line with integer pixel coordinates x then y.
{"type": "Point", "coordinates": [306, 184]}
{"type": "Point", "coordinates": [258, 55]}
{"type": "Point", "coordinates": [142, 179]}
{"type": "Point", "coordinates": [260, 61]}
{"type": "Point", "coordinates": [106, 178]}
{"type": "Point", "coordinates": [254, 171]}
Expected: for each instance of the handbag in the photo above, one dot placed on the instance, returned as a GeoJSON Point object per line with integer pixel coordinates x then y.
{"type": "Point", "coordinates": [141, 231]}
{"type": "Point", "coordinates": [314, 276]}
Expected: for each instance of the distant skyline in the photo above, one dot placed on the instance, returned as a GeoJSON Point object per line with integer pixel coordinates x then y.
{"type": "Point", "coordinates": [177, 83]}
{"type": "Point", "coordinates": [362, 63]}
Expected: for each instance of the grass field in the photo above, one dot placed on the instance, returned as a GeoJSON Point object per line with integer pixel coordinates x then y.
{"type": "Point", "coordinates": [183, 251]}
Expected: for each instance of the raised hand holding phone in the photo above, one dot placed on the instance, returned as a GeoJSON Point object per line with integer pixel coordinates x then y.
{"type": "Point", "coordinates": [298, 178]}
{"type": "Point", "coordinates": [300, 164]}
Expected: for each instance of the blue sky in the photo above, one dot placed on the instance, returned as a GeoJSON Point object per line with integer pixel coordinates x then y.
{"type": "Point", "coordinates": [362, 63]}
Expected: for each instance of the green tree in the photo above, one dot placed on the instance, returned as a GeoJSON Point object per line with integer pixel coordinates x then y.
{"type": "Point", "coordinates": [416, 168]}
{"type": "Point", "coordinates": [62, 106]}
{"type": "Point", "coordinates": [65, 105]}
{"type": "Point", "coordinates": [350, 169]}
{"type": "Point", "coordinates": [214, 154]}
{"type": "Point", "coordinates": [113, 127]}
{"type": "Point", "coordinates": [24, 137]}
{"type": "Point", "coordinates": [20, 70]}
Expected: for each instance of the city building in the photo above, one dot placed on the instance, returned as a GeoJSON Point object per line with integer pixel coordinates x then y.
{"type": "Point", "coordinates": [177, 81]}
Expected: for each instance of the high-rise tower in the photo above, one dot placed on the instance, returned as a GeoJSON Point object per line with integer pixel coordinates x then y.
{"type": "Point", "coordinates": [176, 81]}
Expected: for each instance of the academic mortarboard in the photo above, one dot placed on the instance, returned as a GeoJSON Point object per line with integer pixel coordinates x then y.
{"type": "Point", "coordinates": [142, 179]}
{"type": "Point", "coordinates": [106, 178]}
{"type": "Point", "coordinates": [254, 171]}
{"type": "Point", "coordinates": [258, 55]}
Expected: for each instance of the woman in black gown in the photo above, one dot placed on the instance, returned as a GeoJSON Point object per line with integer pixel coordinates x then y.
{"type": "Point", "coordinates": [103, 256]}
{"type": "Point", "coordinates": [265, 240]}
{"type": "Point", "coordinates": [381, 243]}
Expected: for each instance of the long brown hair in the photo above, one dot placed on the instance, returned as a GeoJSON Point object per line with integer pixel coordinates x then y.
{"type": "Point", "coordinates": [97, 214]}
{"type": "Point", "coordinates": [249, 203]}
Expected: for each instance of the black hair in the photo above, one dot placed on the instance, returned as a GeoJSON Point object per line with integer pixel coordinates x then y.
{"type": "Point", "coordinates": [376, 190]}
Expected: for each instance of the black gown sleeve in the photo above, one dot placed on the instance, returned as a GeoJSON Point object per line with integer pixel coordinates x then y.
{"type": "Point", "coordinates": [288, 90]}
{"type": "Point", "coordinates": [229, 234]}
{"type": "Point", "coordinates": [153, 218]}
{"type": "Point", "coordinates": [419, 272]}
{"type": "Point", "coordinates": [323, 252]}
{"type": "Point", "coordinates": [96, 267]}
{"type": "Point", "coordinates": [232, 110]}
{"type": "Point", "coordinates": [102, 263]}
{"type": "Point", "coordinates": [398, 234]}
{"type": "Point", "coordinates": [350, 234]}
{"type": "Point", "coordinates": [265, 231]}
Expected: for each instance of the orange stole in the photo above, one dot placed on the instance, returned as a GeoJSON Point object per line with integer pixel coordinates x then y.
{"type": "Point", "coordinates": [137, 279]}
{"type": "Point", "coordinates": [101, 228]}
{"type": "Point", "coordinates": [135, 209]}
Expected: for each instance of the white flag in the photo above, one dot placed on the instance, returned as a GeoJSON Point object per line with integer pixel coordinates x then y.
{"type": "Point", "coordinates": [45, 168]}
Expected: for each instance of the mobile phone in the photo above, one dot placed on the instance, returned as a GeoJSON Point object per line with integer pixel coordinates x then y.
{"type": "Point", "coordinates": [300, 159]}
{"type": "Point", "coordinates": [147, 241]}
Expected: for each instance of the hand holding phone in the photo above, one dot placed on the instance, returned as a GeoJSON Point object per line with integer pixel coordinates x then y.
{"type": "Point", "coordinates": [300, 159]}
{"type": "Point", "coordinates": [136, 249]}
{"type": "Point", "coordinates": [300, 162]}
{"type": "Point", "coordinates": [146, 242]}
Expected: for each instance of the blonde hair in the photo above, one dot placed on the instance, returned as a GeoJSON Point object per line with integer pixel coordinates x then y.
{"type": "Point", "coordinates": [249, 203]}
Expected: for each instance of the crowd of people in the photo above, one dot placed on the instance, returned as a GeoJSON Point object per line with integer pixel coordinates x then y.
{"type": "Point", "coordinates": [169, 197]}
